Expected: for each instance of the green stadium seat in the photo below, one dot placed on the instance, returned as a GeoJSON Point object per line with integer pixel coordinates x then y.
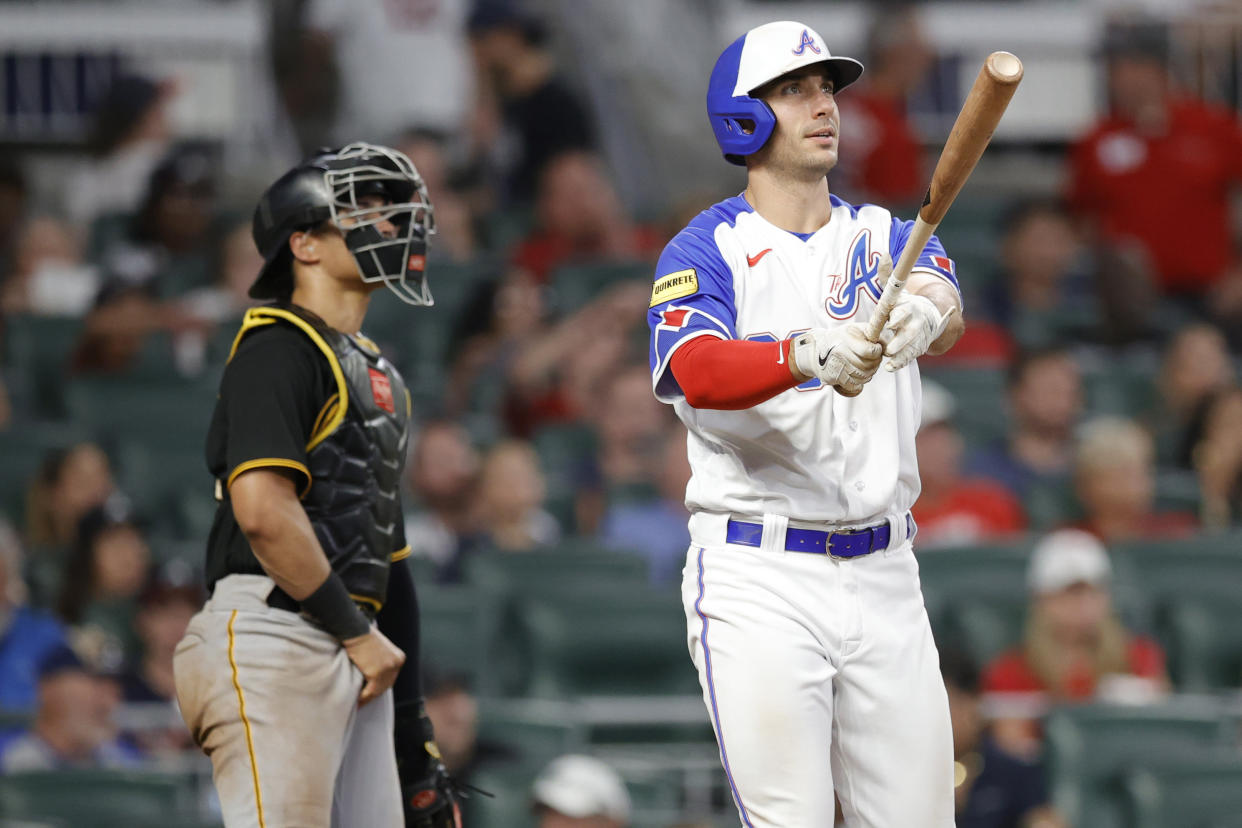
{"type": "Point", "coordinates": [1204, 634]}
{"type": "Point", "coordinates": [461, 633]}
{"type": "Point", "coordinates": [158, 478]}
{"type": "Point", "coordinates": [154, 413]}
{"type": "Point", "coordinates": [1197, 793]}
{"type": "Point", "coordinates": [509, 805]}
{"type": "Point", "coordinates": [1121, 388]}
{"type": "Point", "coordinates": [99, 798]}
{"type": "Point", "coordinates": [1089, 750]}
{"type": "Point", "coordinates": [408, 334]}
{"type": "Point", "coordinates": [573, 286]}
{"type": "Point", "coordinates": [504, 228]}
{"type": "Point", "coordinates": [1177, 491]}
{"type": "Point", "coordinates": [1168, 570]}
{"type": "Point", "coordinates": [991, 577]}
{"type": "Point", "coordinates": [533, 737]}
{"type": "Point", "coordinates": [36, 350]}
{"type": "Point", "coordinates": [564, 451]}
{"type": "Point", "coordinates": [1049, 504]}
{"type": "Point", "coordinates": [617, 643]}
{"type": "Point", "coordinates": [980, 415]}
{"type": "Point", "coordinates": [573, 566]}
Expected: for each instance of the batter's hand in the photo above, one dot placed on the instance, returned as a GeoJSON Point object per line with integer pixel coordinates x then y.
{"type": "Point", "coordinates": [378, 659]}
{"type": "Point", "coordinates": [840, 357]}
{"type": "Point", "coordinates": [912, 327]}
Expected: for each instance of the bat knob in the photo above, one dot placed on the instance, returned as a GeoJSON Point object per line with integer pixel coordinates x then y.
{"type": "Point", "coordinates": [1004, 67]}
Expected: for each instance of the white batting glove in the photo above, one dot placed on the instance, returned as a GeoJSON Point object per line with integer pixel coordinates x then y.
{"type": "Point", "coordinates": [912, 327]}
{"type": "Point", "coordinates": [840, 357]}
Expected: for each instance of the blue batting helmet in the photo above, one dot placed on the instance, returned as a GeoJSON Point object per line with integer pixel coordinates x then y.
{"type": "Point", "coordinates": [762, 55]}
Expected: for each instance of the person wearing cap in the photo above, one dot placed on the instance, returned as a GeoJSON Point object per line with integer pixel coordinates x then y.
{"type": "Point", "coordinates": [1158, 172]}
{"type": "Point", "coordinates": [805, 617]}
{"type": "Point", "coordinates": [73, 725]}
{"type": "Point", "coordinates": [1073, 640]}
{"type": "Point", "coordinates": [576, 791]}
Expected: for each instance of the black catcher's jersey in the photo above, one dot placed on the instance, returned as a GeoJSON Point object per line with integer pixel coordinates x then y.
{"type": "Point", "coordinates": [329, 410]}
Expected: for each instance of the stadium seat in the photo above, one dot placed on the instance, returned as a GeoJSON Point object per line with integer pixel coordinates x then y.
{"type": "Point", "coordinates": [1204, 634]}
{"type": "Point", "coordinates": [980, 415]}
{"type": "Point", "coordinates": [461, 633]}
{"type": "Point", "coordinates": [573, 286]}
{"type": "Point", "coordinates": [100, 799]}
{"type": "Point", "coordinates": [573, 566]}
{"type": "Point", "coordinates": [623, 642]}
{"type": "Point", "coordinates": [1195, 793]}
{"type": "Point", "coordinates": [1177, 491]}
{"type": "Point", "coordinates": [158, 478]}
{"type": "Point", "coordinates": [1089, 750]}
{"type": "Point", "coordinates": [155, 413]}
{"type": "Point", "coordinates": [990, 577]}
{"type": "Point", "coordinates": [35, 350]}
{"type": "Point", "coordinates": [564, 452]}
{"type": "Point", "coordinates": [1168, 570]}
{"type": "Point", "coordinates": [407, 334]}
{"type": "Point", "coordinates": [532, 737]}
{"type": "Point", "coordinates": [509, 803]}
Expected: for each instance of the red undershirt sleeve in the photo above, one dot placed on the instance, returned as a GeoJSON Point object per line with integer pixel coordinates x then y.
{"type": "Point", "coordinates": [731, 374]}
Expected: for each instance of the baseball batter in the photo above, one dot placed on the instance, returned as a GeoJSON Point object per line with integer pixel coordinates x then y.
{"type": "Point", "coordinates": [291, 678]}
{"type": "Point", "coordinates": [805, 615]}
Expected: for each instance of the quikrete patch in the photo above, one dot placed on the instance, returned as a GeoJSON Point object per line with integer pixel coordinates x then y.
{"type": "Point", "coordinates": [674, 286]}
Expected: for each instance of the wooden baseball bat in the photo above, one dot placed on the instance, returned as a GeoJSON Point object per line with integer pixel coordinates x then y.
{"type": "Point", "coordinates": [997, 81]}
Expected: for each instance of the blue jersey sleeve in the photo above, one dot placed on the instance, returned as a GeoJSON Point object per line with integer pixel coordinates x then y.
{"type": "Point", "coordinates": [692, 296]}
{"type": "Point", "coordinates": [933, 259]}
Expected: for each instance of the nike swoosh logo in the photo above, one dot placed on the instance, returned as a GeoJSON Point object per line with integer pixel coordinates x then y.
{"type": "Point", "coordinates": [824, 359]}
{"type": "Point", "coordinates": [754, 260]}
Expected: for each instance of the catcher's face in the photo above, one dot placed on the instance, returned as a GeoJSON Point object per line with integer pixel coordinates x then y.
{"type": "Point", "coordinates": [334, 255]}
{"type": "Point", "coordinates": [805, 140]}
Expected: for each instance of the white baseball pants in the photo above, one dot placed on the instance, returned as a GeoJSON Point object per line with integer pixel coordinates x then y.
{"type": "Point", "coordinates": [820, 676]}
{"type": "Point", "coordinates": [273, 700]}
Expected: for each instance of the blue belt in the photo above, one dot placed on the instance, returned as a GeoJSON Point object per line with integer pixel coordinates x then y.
{"type": "Point", "coordinates": [850, 544]}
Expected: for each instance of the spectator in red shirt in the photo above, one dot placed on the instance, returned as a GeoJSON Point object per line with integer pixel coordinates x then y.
{"type": "Point", "coordinates": [1157, 173]}
{"type": "Point", "coordinates": [885, 159]}
{"type": "Point", "coordinates": [581, 220]}
{"type": "Point", "coordinates": [953, 509]}
{"type": "Point", "coordinates": [1115, 479]}
{"type": "Point", "coordinates": [1074, 641]}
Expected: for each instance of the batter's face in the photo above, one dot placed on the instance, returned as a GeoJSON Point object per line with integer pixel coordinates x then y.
{"type": "Point", "coordinates": [808, 123]}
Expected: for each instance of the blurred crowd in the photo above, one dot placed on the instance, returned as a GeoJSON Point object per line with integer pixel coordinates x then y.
{"type": "Point", "coordinates": [1095, 397]}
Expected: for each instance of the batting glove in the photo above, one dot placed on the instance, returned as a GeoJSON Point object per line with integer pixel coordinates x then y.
{"type": "Point", "coordinates": [840, 357]}
{"type": "Point", "coordinates": [912, 327]}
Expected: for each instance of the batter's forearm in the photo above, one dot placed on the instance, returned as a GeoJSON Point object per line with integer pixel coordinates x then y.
{"type": "Point", "coordinates": [945, 297]}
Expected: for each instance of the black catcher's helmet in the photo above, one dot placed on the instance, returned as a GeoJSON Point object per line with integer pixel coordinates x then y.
{"type": "Point", "coordinates": [327, 187]}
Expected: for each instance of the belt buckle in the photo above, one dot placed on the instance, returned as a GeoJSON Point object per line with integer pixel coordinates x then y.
{"type": "Point", "coordinates": [851, 533]}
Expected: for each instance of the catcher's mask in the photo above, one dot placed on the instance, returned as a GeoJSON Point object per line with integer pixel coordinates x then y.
{"type": "Point", "coordinates": [333, 186]}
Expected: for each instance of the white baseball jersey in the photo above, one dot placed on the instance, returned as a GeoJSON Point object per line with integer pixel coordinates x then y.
{"type": "Point", "coordinates": [808, 453]}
